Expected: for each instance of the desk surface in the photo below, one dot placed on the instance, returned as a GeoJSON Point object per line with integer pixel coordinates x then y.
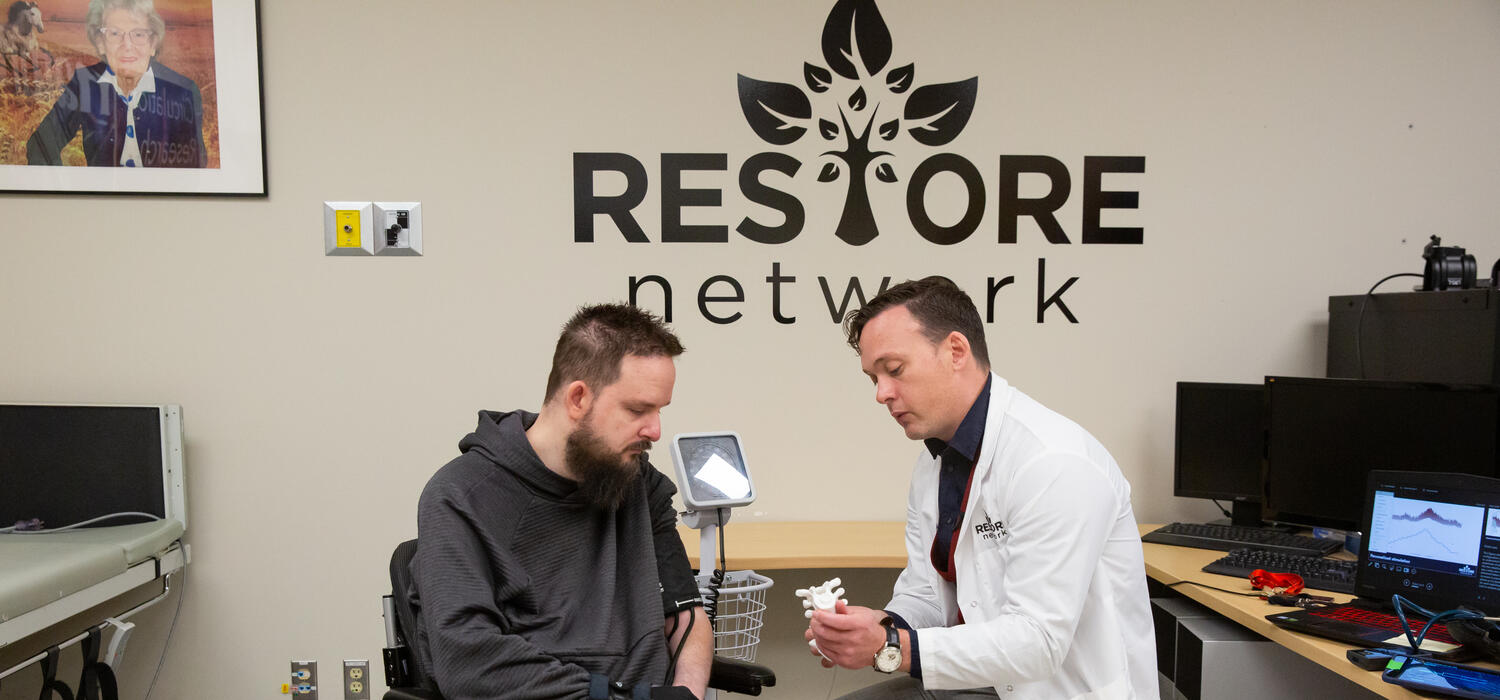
{"type": "Point", "coordinates": [1169, 564]}
{"type": "Point", "coordinates": [808, 545]}
{"type": "Point", "coordinates": [844, 544]}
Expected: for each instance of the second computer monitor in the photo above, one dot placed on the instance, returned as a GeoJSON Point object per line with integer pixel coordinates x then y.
{"type": "Point", "coordinates": [1326, 435]}
{"type": "Point", "coordinates": [1220, 443]}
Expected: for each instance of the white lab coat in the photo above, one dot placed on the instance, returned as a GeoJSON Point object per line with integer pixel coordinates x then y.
{"type": "Point", "coordinates": [1050, 575]}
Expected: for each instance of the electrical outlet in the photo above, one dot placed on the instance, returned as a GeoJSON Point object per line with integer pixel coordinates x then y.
{"type": "Point", "coordinates": [305, 679]}
{"type": "Point", "coordinates": [398, 228]}
{"type": "Point", "coordinates": [356, 679]}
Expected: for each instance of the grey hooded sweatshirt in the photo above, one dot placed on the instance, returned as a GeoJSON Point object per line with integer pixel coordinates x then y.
{"type": "Point", "coordinates": [523, 590]}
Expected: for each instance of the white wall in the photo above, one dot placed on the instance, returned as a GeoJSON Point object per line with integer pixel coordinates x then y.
{"type": "Point", "coordinates": [1293, 151]}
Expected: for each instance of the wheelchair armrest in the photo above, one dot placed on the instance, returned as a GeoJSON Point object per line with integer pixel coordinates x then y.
{"type": "Point", "coordinates": [735, 676]}
{"type": "Point", "coordinates": [411, 694]}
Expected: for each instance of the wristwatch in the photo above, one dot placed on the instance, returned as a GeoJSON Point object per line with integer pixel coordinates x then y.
{"type": "Point", "coordinates": [888, 659]}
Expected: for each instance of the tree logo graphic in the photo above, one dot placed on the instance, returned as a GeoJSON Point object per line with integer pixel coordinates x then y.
{"type": "Point", "coordinates": [858, 100]}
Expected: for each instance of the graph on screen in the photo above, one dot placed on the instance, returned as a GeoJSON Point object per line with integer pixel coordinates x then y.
{"type": "Point", "coordinates": [1426, 529]}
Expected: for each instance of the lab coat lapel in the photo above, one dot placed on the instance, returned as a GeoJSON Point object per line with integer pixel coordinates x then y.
{"type": "Point", "coordinates": [1000, 396]}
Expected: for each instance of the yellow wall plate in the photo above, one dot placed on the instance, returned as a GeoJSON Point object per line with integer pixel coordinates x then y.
{"type": "Point", "coordinates": [346, 228]}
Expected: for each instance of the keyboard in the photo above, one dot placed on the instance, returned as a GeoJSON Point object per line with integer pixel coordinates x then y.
{"type": "Point", "coordinates": [1383, 620]}
{"type": "Point", "coordinates": [1227, 537]}
{"type": "Point", "coordinates": [1316, 572]}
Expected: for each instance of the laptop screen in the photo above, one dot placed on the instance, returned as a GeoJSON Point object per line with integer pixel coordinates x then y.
{"type": "Point", "coordinates": [1433, 538]}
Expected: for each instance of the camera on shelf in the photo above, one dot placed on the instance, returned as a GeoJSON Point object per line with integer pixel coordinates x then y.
{"type": "Point", "coordinates": [1448, 267]}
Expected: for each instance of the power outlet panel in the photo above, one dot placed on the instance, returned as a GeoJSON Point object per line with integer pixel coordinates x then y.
{"type": "Point", "coordinates": [356, 679]}
{"type": "Point", "coordinates": [398, 228]}
{"type": "Point", "coordinates": [305, 679]}
{"type": "Point", "coordinates": [346, 228]}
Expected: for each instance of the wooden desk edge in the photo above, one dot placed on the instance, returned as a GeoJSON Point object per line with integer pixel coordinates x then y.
{"type": "Point", "coordinates": [809, 544]}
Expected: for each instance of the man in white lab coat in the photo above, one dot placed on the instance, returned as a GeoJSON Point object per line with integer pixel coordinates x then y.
{"type": "Point", "coordinates": [1024, 574]}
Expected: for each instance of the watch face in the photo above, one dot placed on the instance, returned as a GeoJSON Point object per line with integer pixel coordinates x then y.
{"type": "Point", "coordinates": [888, 659]}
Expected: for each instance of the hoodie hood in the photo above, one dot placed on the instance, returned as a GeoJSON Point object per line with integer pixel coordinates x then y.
{"type": "Point", "coordinates": [500, 439]}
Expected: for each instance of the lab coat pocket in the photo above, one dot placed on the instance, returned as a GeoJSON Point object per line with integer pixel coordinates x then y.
{"type": "Point", "coordinates": [992, 553]}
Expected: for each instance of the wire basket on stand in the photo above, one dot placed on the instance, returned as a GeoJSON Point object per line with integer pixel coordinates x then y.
{"type": "Point", "coordinates": [739, 612]}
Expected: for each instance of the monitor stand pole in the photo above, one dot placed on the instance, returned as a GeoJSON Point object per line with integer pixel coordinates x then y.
{"type": "Point", "coordinates": [1246, 513]}
{"type": "Point", "coordinates": [707, 523]}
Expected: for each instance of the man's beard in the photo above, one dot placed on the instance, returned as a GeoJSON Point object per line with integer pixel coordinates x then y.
{"type": "Point", "coordinates": [604, 476]}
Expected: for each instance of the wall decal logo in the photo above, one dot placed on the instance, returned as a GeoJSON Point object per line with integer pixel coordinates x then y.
{"type": "Point", "coordinates": [857, 101]}
{"type": "Point", "coordinates": [859, 111]}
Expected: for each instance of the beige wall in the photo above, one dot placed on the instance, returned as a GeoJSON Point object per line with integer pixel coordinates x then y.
{"type": "Point", "coordinates": [1293, 150]}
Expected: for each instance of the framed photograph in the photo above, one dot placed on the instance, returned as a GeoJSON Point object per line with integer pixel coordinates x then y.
{"type": "Point", "coordinates": [131, 97]}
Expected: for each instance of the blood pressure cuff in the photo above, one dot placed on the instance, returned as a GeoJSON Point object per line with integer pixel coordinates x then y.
{"type": "Point", "coordinates": [679, 589]}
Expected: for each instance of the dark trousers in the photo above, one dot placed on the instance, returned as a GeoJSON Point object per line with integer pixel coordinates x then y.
{"type": "Point", "coordinates": [908, 688]}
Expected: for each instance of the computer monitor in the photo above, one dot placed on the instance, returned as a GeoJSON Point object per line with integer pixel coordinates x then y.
{"type": "Point", "coordinates": [1432, 537]}
{"type": "Point", "coordinates": [1326, 436]}
{"type": "Point", "coordinates": [711, 470]}
{"type": "Point", "coordinates": [67, 464]}
{"type": "Point", "coordinates": [1220, 445]}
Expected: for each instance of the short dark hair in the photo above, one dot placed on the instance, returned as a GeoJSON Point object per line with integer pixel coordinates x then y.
{"type": "Point", "coordinates": [937, 304]}
{"type": "Point", "coordinates": [597, 339]}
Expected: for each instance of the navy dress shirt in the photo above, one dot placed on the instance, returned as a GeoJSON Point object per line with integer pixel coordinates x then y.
{"type": "Point", "coordinates": [958, 456]}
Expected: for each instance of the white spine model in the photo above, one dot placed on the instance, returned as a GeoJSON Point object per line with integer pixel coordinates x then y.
{"type": "Point", "coordinates": [821, 598]}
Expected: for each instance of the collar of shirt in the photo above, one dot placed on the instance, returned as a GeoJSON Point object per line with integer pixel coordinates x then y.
{"type": "Point", "coordinates": [970, 433]}
{"type": "Point", "coordinates": [146, 84]}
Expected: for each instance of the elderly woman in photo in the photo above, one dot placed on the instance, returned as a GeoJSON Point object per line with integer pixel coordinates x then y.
{"type": "Point", "coordinates": [133, 111]}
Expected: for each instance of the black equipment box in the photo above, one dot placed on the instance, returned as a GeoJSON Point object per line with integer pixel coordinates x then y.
{"type": "Point", "coordinates": [1449, 336]}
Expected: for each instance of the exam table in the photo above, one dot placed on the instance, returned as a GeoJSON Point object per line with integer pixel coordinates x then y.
{"type": "Point", "coordinates": [89, 466]}
{"type": "Point", "coordinates": [50, 577]}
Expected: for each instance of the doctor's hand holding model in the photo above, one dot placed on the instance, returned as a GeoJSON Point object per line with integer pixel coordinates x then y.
{"type": "Point", "coordinates": [1024, 573]}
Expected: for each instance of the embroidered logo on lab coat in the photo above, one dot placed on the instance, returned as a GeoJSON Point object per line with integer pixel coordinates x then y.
{"type": "Point", "coordinates": [991, 530]}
